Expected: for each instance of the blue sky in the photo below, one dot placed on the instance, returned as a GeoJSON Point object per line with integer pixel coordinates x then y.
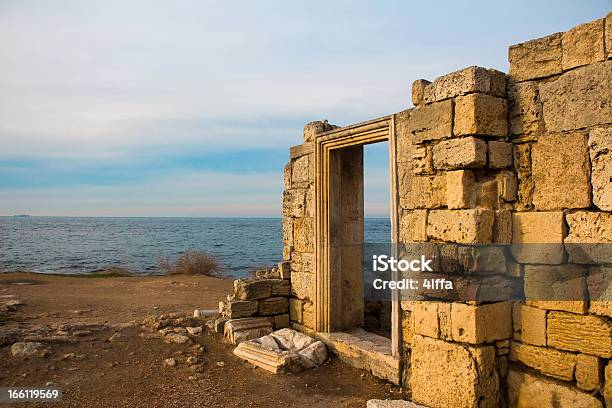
{"type": "Point", "coordinates": [188, 108]}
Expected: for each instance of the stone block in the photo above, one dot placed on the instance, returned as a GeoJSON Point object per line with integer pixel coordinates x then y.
{"type": "Point", "coordinates": [425, 319]}
{"type": "Point", "coordinates": [280, 287]}
{"type": "Point", "coordinates": [480, 114]}
{"type": "Point", "coordinates": [421, 191]}
{"type": "Point", "coordinates": [585, 334]}
{"type": "Point", "coordinates": [294, 202]}
{"type": "Point", "coordinates": [525, 115]}
{"type": "Point", "coordinates": [537, 58]}
{"type": "Point", "coordinates": [238, 330]}
{"type": "Point", "coordinates": [466, 152]}
{"type": "Point", "coordinates": [527, 390]}
{"type": "Point", "coordinates": [422, 160]}
{"type": "Point", "coordinates": [575, 100]}
{"type": "Point", "coordinates": [287, 231]}
{"type": "Point", "coordinates": [295, 310]}
{"type": "Point", "coordinates": [507, 186]}
{"type": "Point", "coordinates": [447, 374]}
{"type": "Point", "coordinates": [251, 289]}
{"type": "Point", "coordinates": [522, 165]}
{"type": "Point", "coordinates": [600, 290]}
{"type": "Point", "coordinates": [554, 363]}
{"type": "Point", "coordinates": [466, 81]}
{"type": "Point", "coordinates": [561, 176]}
{"type": "Point", "coordinates": [301, 150]}
{"type": "Point", "coordinates": [235, 309]}
{"type": "Point", "coordinates": [589, 372]}
{"type": "Point", "coordinates": [608, 384]}
{"type": "Point", "coordinates": [303, 285]}
{"type": "Point", "coordinates": [407, 328]}
{"type": "Point", "coordinates": [481, 324]}
{"type": "Point", "coordinates": [309, 317]}
{"type": "Point", "coordinates": [590, 237]}
{"type": "Point", "coordinates": [608, 34]}
{"type": "Point", "coordinates": [378, 403]}
{"type": "Point", "coordinates": [284, 269]}
{"type": "Point", "coordinates": [287, 249]}
{"type": "Point", "coordinates": [537, 237]}
{"type": "Point", "coordinates": [287, 176]}
{"type": "Point", "coordinates": [418, 90]}
{"type": "Point", "coordinates": [583, 45]}
{"type": "Point", "coordinates": [502, 227]}
{"type": "Point", "coordinates": [413, 226]}
{"type": "Point", "coordinates": [281, 321]}
{"type": "Point", "coordinates": [303, 234]}
{"type": "Point", "coordinates": [461, 226]}
{"type": "Point", "coordinates": [600, 151]}
{"type": "Point", "coordinates": [302, 172]}
{"type": "Point", "coordinates": [459, 187]}
{"type": "Point", "coordinates": [312, 129]}
{"type": "Point", "coordinates": [531, 323]}
{"type": "Point", "coordinates": [274, 306]}
{"type": "Point", "coordinates": [556, 287]}
{"type": "Point", "coordinates": [431, 122]}
{"type": "Point", "coordinates": [500, 154]}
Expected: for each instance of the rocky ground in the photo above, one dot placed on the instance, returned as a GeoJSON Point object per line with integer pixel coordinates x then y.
{"type": "Point", "coordinates": [133, 342]}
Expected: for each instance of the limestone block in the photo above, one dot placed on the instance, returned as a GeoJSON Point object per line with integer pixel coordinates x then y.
{"type": "Point", "coordinates": [500, 154]}
{"type": "Point", "coordinates": [235, 309]}
{"type": "Point", "coordinates": [287, 176]}
{"type": "Point", "coordinates": [507, 186]}
{"type": "Point", "coordinates": [312, 129]}
{"type": "Point", "coordinates": [561, 176]}
{"type": "Point", "coordinates": [422, 160]}
{"type": "Point", "coordinates": [421, 191]}
{"type": "Point", "coordinates": [586, 334]}
{"type": "Point", "coordinates": [274, 306]}
{"type": "Point", "coordinates": [537, 237]}
{"type": "Point", "coordinates": [303, 234]}
{"type": "Point", "coordinates": [425, 319]}
{"type": "Point", "coordinates": [531, 323]}
{"type": "Point", "coordinates": [284, 269]}
{"type": "Point", "coordinates": [281, 321]}
{"type": "Point", "coordinates": [575, 99]}
{"type": "Point", "coordinates": [294, 202]}
{"type": "Point", "coordinates": [407, 327]}
{"type": "Point", "coordinates": [413, 226]}
{"type": "Point", "coordinates": [536, 58]}
{"type": "Point", "coordinates": [378, 403]}
{"type": "Point", "coordinates": [280, 287]}
{"type": "Point", "coordinates": [522, 165]}
{"type": "Point", "coordinates": [554, 363]}
{"type": "Point", "coordinates": [461, 226]}
{"type": "Point", "coordinates": [252, 289]}
{"type": "Point", "coordinates": [287, 231]}
{"type": "Point", "coordinates": [599, 284]}
{"type": "Point", "coordinates": [303, 285]}
{"type": "Point", "coordinates": [309, 317]}
{"type": "Point", "coordinates": [301, 150]}
{"type": "Point", "coordinates": [590, 237]}
{"type": "Point", "coordinates": [527, 390]}
{"type": "Point", "coordinates": [600, 150]}
{"type": "Point", "coordinates": [589, 372]}
{"type": "Point", "coordinates": [451, 375]}
{"type": "Point", "coordinates": [466, 81]}
{"type": "Point", "coordinates": [608, 384]}
{"type": "Point", "coordinates": [403, 138]}
{"type": "Point", "coordinates": [524, 109]}
{"type": "Point", "coordinates": [583, 45]}
{"type": "Point", "coordinates": [431, 122]}
{"type": "Point", "coordinates": [481, 324]}
{"type": "Point", "coordinates": [466, 152]}
{"type": "Point", "coordinates": [608, 34]}
{"type": "Point", "coordinates": [238, 330]}
{"type": "Point", "coordinates": [302, 173]}
{"type": "Point", "coordinates": [480, 114]}
{"type": "Point", "coordinates": [309, 210]}
{"type": "Point", "coordinates": [287, 249]}
{"type": "Point", "coordinates": [459, 186]}
{"type": "Point", "coordinates": [557, 287]}
{"type": "Point", "coordinates": [502, 227]}
{"type": "Point", "coordinates": [418, 89]}
{"type": "Point", "coordinates": [295, 310]}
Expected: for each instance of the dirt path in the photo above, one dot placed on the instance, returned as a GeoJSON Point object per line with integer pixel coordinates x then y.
{"type": "Point", "coordinates": [95, 372]}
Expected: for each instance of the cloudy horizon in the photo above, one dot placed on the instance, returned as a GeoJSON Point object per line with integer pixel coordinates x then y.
{"type": "Point", "coordinates": [189, 109]}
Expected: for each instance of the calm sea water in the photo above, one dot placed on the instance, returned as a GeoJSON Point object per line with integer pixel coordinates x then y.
{"type": "Point", "coordinates": [81, 245]}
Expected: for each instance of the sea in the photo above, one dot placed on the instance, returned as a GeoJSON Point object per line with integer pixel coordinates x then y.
{"type": "Point", "coordinates": [86, 245]}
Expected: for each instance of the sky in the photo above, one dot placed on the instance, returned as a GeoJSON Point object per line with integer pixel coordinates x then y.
{"type": "Point", "coordinates": [188, 108]}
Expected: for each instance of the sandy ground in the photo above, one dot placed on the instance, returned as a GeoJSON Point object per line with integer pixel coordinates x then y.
{"type": "Point", "coordinates": [95, 372]}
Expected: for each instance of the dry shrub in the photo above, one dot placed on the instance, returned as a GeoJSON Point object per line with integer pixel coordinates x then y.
{"type": "Point", "coordinates": [191, 263]}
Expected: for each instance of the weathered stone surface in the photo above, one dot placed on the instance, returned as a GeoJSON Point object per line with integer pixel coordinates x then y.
{"type": "Point", "coordinates": [459, 187]}
{"type": "Point", "coordinates": [531, 391]}
{"type": "Point", "coordinates": [301, 150]}
{"type": "Point", "coordinates": [466, 152]}
{"type": "Point", "coordinates": [287, 176]}
{"type": "Point", "coordinates": [422, 160]}
{"type": "Point", "coordinates": [281, 321]}
{"type": "Point", "coordinates": [579, 98]}
{"type": "Point", "coordinates": [500, 154]}
{"type": "Point", "coordinates": [530, 322]}
{"type": "Point", "coordinates": [507, 186]}
{"type": "Point", "coordinates": [309, 316]}
{"type": "Point", "coordinates": [558, 364]}
{"type": "Point", "coordinates": [589, 372]}
{"type": "Point", "coordinates": [556, 287]}
{"type": "Point", "coordinates": [608, 34]}
{"type": "Point", "coordinates": [235, 309]}
{"type": "Point", "coordinates": [599, 285]}
{"type": "Point", "coordinates": [302, 173]}
{"type": "Point", "coordinates": [608, 385]}
{"type": "Point", "coordinates": [600, 150]}
{"type": "Point", "coordinates": [303, 234]}
{"type": "Point", "coordinates": [561, 176]}
{"type": "Point", "coordinates": [547, 229]}
{"type": "Point", "coordinates": [280, 287]}
{"type": "Point", "coordinates": [522, 165]}
{"type": "Point", "coordinates": [252, 289]}
{"type": "Point", "coordinates": [294, 202]}
{"type": "Point", "coordinates": [303, 285]}
{"type": "Point", "coordinates": [447, 374]}
{"type": "Point", "coordinates": [274, 306]}
{"type": "Point", "coordinates": [295, 310]}
{"type": "Point", "coordinates": [481, 324]}
{"type": "Point", "coordinates": [524, 109]}
{"type": "Point", "coordinates": [583, 44]}
{"type": "Point", "coordinates": [413, 226]}
{"type": "Point", "coordinates": [586, 334]}
{"type": "Point", "coordinates": [431, 122]}
{"type": "Point", "coordinates": [466, 81]}
{"type": "Point", "coordinates": [480, 114]}
{"type": "Point", "coordinates": [590, 237]}
{"type": "Point", "coordinates": [287, 231]}
{"type": "Point", "coordinates": [461, 226]}
{"type": "Point", "coordinates": [536, 58]}
{"type": "Point", "coordinates": [425, 319]}
{"type": "Point", "coordinates": [312, 129]}
{"type": "Point", "coordinates": [418, 89]}
{"type": "Point", "coordinates": [502, 227]}
{"type": "Point", "coordinates": [28, 349]}
{"type": "Point", "coordinates": [378, 403]}
{"type": "Point", "coordinates": [239, 330]}
{"type": "Point", "coordinates": [421, 191]}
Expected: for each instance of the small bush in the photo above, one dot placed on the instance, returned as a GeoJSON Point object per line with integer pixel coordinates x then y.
{"type": "Point", "coordinates": [191, 263]}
